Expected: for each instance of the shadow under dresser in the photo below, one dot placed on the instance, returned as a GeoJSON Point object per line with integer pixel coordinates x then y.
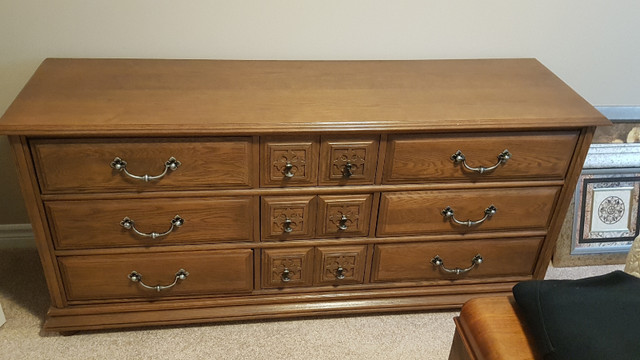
{"type": "Point", "coordinates": [185, 191]}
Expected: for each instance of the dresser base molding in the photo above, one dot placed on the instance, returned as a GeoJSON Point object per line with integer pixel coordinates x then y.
{"type": "Point", "coordinates": [162, 313]}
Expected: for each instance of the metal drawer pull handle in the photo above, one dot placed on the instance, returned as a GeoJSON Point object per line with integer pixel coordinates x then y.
{"type": "Point", "coordinates": [121, 165]}
{"type": "Point", "coordinates": [340, 273]}
{"type": "Point", "coordinates": [287, 170]}
{"type": "Point", "coordinates": [459, 157]}
{"type": "Point", "coordinates": [343, 223]}
{"type": "Point", "coordinates": [129, 224]}
{"type": "Point", "coordinates": [137, 277]}
{"type": "Point", "coordinates": [287, 226]}
{"type": "Point", "coordinates": [347, 171]}
{"type": "Point", "coordinates": [285, 275]}
{"type": "Point", "coordinates": [437, 261]}
{"type": "Point", "coordinates": [488, 212]}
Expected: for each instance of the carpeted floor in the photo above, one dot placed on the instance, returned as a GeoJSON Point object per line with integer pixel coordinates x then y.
{"type": "Point", "coordinates": [420, 335]}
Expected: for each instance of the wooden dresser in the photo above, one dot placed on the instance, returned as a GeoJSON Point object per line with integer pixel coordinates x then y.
{"type": "Point", "coordinates": [185, 191]}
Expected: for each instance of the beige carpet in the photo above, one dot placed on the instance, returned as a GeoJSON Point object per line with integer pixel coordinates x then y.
{"type": "Point", "coordinates": [421, 335]}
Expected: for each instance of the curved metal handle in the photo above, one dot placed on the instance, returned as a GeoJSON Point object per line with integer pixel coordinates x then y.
{"type": "Point", "coordinates": [342, 225]}
{"type": "Point", "coordinates": [129, 224]}
{"type": "Point", "coordinates": [287, 170]}
{"type": "Point", "coordinates": [459, 157]}
{"type": "Point", "coordinates": [285, 275]}
{"type": "Point", "coordinates": [121, 165]}
{"type": "Point", "coordinates": [449, 214]}
{"type": "Point", "coordinates": [340, 273]}
{"type": "Point", "coordinates": [437, 261]}
{"type": "Point", "coordinates": [286, 226]}
{"type": "Point", "coordinates": [347, 171]}
{"type": "Point", "coordinates": [137, 277]}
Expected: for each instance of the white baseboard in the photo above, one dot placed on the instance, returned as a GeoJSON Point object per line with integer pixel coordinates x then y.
{"type": "Point", "coordinates": [16, 236]}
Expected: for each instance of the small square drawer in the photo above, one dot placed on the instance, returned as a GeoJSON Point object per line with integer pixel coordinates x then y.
{"type": "Point", "coordinates": [288, 217]}
{"type": "Point", "coordinates": [343, 215]}
{"type": "Point", "coordinates": [86, 224]}
{"type": "Point", "coordinates": [99, 165]}
{"type": "Point", "coordinates": [439, 260]}
{"type": "Point", "coordinates": [478, 157]}
{"type": "Point", "coordinates": [337, 265]}
{"type": "Point", "coordinates": [157, 275]}
{"type": "Point", "coordinates": [287, 267]}
{"type": "Point", "coordinates": [348, 160]}
{"type": "Point", "coordinates": [289, 162]}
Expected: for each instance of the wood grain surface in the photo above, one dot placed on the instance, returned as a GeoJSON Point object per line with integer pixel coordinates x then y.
{"type": "Point", "coordinates": [128, 97]}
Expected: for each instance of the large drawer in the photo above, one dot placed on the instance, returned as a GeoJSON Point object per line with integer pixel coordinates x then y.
{"type": "Point", "coordinates": [423, 212]}
{"type": "Point", "coordinates": [413, 261]}
{"type": "Point", "coordinates": [103, 223]}
{"type": "Point", "coordinates": [101, 277]}
{"type": "Point", "coordinates": [93, 165]}
{"type": "Point", "coordinates": [417, 158]}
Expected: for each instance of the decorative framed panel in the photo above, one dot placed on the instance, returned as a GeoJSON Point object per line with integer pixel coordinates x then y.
{"type": "Point", "coordinates": [606, 211]}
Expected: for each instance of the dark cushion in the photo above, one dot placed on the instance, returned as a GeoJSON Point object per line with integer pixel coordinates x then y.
{"type": "Point", "coordinates": [591, 318]}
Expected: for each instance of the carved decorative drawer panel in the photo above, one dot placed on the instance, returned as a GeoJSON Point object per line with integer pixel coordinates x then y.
{"type": "Point", "coordinates": [305, 217]}
{"type": "Point", "coordinates": [339, 265]}
{"type": "Point", "coordinates": [287, 267]}
{"type": "Point", "coordinates": [348, 160]}
{"type": "Point", "coordinates": [344, 215]}
{"type": "Point", "coordinates": [300, 267]}
{"type": "Point", "coordinates": [290, 162]}
{"type": "Point", "coordinates": [288, 217]}
{"type": "Point", "coordinates": [200, 191]}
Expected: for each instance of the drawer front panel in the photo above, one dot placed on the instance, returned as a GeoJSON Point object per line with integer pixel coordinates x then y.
{"type": "Point", "coordinates": [348, 161]}
{"type": "Point", "coordinates": [287, 267]}
{"type": "Point", "coordinates": [412, 261]}
{"type": "Point", "coordinates": [421, 212]}
{"type": "Point", "coordinates": [102, 277]}
{"type": "Point", "coordinates": [85, 165]}
{"type": "Point", "coordinates": [289, 162]}
{"type": "Point", "coordinates": [343, 215]}
{"type": "Point", "coordinates": [101, 223]}
{"type": "Point", "coordinates": [336, 265]}
{"type": "Point", "coordinates": [416, 158]}
{"type": "Point", "coordinates": [288, 217]}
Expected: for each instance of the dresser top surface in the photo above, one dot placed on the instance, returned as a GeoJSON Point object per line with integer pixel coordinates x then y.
{"type": "Point", "coordinates": [136, 97]}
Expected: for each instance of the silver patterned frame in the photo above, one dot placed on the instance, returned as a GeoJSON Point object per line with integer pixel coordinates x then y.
{"type": "Point", "coordinates": [606, 211]}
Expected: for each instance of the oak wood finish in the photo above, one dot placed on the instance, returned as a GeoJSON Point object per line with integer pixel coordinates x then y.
{"type": "Point", "coordinates": [105, 276]}
{"type": "Point", "coordinates": [398, 262]}
{"type": "Point", "coordinates": [234, 125]}
{"type": "Point", "coordinates": [419, 158]}
{"type": "Point", "coordinates": [300, 154]}
{"type": "Point", "coordinates": [96, 224]}
{"type": "Point", "coordinates": [420, 212]}
{"type": "Point", "coordinates": [84, 165]}
{"type": "Point", "coordinates": [288, 217]}
{"type": "Point", "coordinates": [339, 265]}
{"type": "Point", "coordinates": [357, 153]}
{"type": "Point", "coordinates": [287, 267]}
{"type": "Point", "coordinates": [343, 215]}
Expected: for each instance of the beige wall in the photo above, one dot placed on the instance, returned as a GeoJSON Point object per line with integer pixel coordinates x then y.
{"type": "Point", "coordinates": [591, 44]}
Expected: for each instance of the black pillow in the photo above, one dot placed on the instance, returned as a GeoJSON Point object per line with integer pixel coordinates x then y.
{"type": "Point", "coordinates": [591, 318]}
